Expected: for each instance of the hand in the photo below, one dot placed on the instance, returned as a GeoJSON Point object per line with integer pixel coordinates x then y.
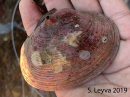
{"type": "Point", "coordinates": [117, 74]}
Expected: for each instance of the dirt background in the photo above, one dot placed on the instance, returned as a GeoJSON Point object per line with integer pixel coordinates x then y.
{"type": "Point", "coordinates": [10, 74]}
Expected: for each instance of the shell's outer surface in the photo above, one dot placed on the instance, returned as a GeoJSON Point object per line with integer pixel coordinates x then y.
{"type": "Point", "coordinates": [68, 49]}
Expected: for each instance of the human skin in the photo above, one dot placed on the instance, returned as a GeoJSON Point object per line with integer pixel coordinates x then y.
{"type": "Point", "coordinates": [114, 76]}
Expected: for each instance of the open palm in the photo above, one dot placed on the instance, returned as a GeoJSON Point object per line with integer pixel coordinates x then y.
{"type": "Point", "coordinates": [116, 78]}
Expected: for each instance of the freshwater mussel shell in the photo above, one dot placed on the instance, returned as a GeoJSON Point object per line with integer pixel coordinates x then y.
{"type": "Point", "coordinates": [68, 49]}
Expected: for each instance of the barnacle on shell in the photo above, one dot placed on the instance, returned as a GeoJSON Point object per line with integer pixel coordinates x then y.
{"type": "Point", "coordinates": [68, 49]}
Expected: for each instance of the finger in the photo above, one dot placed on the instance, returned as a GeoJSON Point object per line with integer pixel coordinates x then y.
{"type": "Point", "coordinates": [118, 11]}
{"type": "Point", "coordinates": [87, 5]}
{"type": "Point", "coordinates": [58, 4]}
{"type": "Point", "coordinates": [30, 15]}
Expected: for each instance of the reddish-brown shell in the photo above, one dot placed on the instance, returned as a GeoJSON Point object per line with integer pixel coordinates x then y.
{"type": "Point", "coordinates": [68, 49]}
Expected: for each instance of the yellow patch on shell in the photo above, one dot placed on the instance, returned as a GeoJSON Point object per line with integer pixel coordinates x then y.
{"type": "Point", "coordinates": [36, 58]}
{"type": "Point", "coordinates": [71, 38]}
{"type": "Point", "coordinates": [59, 61]}
{"type": "Point", "coordinates": [57, 68]}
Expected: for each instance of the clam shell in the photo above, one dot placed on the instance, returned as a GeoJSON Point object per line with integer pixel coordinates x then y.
{"type": "Point", "coordinates": [68, 49]}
